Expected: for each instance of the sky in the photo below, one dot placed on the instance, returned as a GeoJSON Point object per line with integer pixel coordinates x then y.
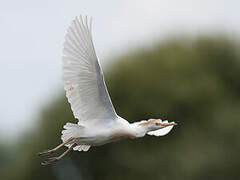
{"type": "Point", "coordinates": [32, 35]}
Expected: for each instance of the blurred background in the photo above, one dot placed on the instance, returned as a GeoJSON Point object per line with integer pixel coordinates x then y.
{"type": "Point", "coordinates": [176, 60]}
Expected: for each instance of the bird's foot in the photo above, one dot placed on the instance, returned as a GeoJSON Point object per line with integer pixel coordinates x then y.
{"type": "Point", "coordinates": [46, 152]}
{"type": "Point", "coordinates": [50, 161]}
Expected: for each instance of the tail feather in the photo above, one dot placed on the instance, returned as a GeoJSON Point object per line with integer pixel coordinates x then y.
{"type": "Point", "coordinates": [82, 148]}
{"type": "Point", "coordinates": [73, 130]}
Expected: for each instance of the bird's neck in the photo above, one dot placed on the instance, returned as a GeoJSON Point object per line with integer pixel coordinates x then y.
{"type": "Point", "coordinates": [139, 130]}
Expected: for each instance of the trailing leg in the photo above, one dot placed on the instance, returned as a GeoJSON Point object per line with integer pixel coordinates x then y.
{"type": "Point", "coordinates": [54, 159]}
{"type": "Point", "coordinates": [47, 152]}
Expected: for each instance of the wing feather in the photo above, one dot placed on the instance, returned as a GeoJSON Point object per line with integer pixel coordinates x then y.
{"type": "Point", "coordinates": [83, 77]}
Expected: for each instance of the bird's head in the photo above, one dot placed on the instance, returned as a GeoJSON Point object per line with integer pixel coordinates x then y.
{"type": "Point", "coordinates": [155, 124]}
{"type": "Point", "coordinates": [157, 127]}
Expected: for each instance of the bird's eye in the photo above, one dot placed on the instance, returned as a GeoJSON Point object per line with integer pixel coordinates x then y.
{"type": "Point", "coordinates": [156, 124]}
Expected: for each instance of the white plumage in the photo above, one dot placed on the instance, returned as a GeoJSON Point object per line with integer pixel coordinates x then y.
{"type": "Point", "coordinates": [86, 91]}
{"type": "Point", "coordinates": [82, 76]}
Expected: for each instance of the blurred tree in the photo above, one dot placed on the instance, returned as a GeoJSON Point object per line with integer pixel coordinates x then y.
{"type": "Point", "coordinates": [6, 157]}
{"type": "Point", "coordinates": [193, 82]}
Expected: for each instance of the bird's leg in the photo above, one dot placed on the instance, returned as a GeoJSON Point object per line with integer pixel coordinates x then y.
{"type": "Point", "coordinates": [47, 152]}
{"type": "Point", "coordinates": [54, 159]}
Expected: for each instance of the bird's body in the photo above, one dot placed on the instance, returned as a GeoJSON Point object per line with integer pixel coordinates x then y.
{"type": "Point", "coordinates": [83, 79]}
{"type": "Point", "coordinates": [105, 133]}
{"type": "Point", "coordinates": [101, 133]}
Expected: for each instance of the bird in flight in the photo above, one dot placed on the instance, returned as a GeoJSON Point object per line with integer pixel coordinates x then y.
{"type": "Point", "coordinates": [86, 91]}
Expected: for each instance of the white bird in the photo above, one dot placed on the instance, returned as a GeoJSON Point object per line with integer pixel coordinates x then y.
{"type": "Point", "coordinates": [98, 123]}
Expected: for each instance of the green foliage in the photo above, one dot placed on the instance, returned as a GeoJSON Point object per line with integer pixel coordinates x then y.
{"type": "Point", "coordinates": [195, 83]}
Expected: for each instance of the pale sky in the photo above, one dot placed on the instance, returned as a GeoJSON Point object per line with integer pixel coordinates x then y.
{"type": "Point", "coordinates": [32, 34]}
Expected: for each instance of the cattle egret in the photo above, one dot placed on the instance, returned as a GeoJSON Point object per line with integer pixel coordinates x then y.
{"type": "Point", "coordinates": [98, 123]}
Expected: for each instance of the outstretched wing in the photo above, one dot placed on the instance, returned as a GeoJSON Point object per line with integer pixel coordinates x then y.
{"type": "Point", "coordinates": [83, 77]}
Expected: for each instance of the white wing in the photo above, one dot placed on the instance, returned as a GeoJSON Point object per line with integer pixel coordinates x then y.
{"type": "Point", "coordinates": [82, 76]}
